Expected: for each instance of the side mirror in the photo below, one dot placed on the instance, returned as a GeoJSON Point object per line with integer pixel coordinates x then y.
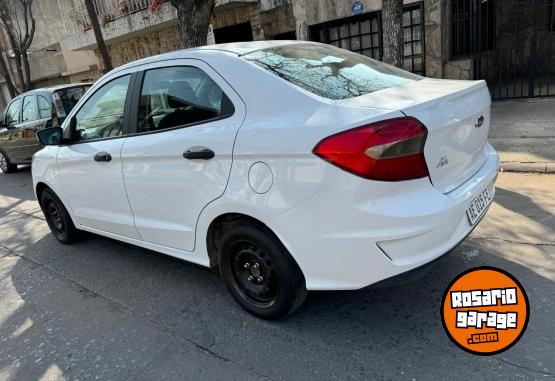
{"type": "Point", "coordinates": [50, 136]}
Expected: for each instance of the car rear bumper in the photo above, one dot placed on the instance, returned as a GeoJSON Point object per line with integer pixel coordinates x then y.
{"type": "Point", "coordinates": [356, 232]}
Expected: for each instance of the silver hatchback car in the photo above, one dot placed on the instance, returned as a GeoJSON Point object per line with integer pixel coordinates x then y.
{"type": "Point", "coordinates": [30, 112]}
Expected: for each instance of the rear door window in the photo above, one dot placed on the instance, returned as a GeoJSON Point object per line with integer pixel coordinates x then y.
{"type": "Point", "coordinates": [45, 107]}
{"type": "Point", "coordinates": [328, 71]}
{"type": "Point", "coordinates": [179, 96]}
{"type": "Point", "coordinates": [69, 97]}
{"type": "Point", "coordinates": [30, 109]}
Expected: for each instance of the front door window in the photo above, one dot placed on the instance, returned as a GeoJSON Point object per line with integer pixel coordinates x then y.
{"type": "Point", "coordinates": [12, 115]}
{"type": "Point", "coordinates": [102, 114]}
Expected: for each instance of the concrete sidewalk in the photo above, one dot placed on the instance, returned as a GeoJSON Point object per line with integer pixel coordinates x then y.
{"type": "Point", "coordinates": [523, 132]}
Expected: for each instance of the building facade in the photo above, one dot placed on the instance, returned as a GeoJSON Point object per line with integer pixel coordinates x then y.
{"type": "Point", "coordinates": [50, 60]}
{"type": "Point", "coordinates": [510, 43]}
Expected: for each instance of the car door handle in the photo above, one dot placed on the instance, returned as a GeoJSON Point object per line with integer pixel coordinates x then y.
{"type": "Point", "coordinates": [201, 153]}
{"type": "Point", "coordinates": [102, 156]}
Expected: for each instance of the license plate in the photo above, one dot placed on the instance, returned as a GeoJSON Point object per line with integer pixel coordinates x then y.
{"type": "Point", "coordinates": [479, 204]}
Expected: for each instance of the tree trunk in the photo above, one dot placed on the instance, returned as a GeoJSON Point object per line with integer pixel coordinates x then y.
{"type": "Point", "coordinates": [27, 71]}
{"type": "Point", "coordinates": [193, 19]}
{"type": "Point", "coordinates": [392, 18]}
{"type": "Point", "coordinates": [106, 60]}
{"type": "Point", "coordinates": [19, 71]}
{"type": "Point", "coordinates": [6, 74]}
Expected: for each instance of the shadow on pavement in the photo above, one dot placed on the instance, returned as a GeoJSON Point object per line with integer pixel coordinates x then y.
{"type": "Point", "coordinates": [106, 308]}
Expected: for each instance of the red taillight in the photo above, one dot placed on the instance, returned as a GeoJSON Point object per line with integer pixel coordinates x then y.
{"type": "Point", "coordinates": [389, 150]}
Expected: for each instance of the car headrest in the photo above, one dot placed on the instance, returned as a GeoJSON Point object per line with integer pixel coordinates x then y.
{"type": "Point", "coordinates": [181, 94]}
{"type": "Point", "coordinates": [159, 85]}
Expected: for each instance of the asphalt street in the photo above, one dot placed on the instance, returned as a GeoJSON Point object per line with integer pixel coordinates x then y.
{"type": "Point", "coordinates": [101, 309]}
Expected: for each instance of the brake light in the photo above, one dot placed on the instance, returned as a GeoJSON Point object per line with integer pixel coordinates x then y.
{"type": "Point", "coordinates": [389, 150]}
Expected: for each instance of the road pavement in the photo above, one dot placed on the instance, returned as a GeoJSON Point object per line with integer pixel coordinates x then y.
{"type": "Point", "coordinates": [101, 309]}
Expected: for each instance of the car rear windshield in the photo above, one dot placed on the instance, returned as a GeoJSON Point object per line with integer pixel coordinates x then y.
{"type": "Point", "coordinates": [70, 96]}
{"type": "Point", "coordinates": [329, 71]}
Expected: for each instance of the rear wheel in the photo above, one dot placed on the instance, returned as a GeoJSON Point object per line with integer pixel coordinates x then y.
{"type": "Point", "coordinates": [58, 218]}
{"type": "Point", "coordinates": [259, 272]}
{"type": "Point", "coordinates": [5, 165]}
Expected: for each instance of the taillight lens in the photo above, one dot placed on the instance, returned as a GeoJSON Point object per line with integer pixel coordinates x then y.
{"type": "Point", "coordinates": [389, 150]}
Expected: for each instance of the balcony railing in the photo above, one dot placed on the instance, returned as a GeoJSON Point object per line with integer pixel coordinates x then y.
{"type": "Point", "coordinates": [76, 19]}
{"type": "Point", "coordinates": [121, 17]}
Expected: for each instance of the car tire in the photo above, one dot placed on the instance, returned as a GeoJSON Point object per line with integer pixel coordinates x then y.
{"type": "Point", "coordinates": [259, 272]}
{"type": "Point", "coordinates": [5, 165]}
{"type": "Point", "coordinates": [58, 218]}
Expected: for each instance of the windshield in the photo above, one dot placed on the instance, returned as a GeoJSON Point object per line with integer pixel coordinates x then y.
{"type": "Point", "coordinates": [70, 96]}
{"type": "Point", "coordinates": [329, 71]}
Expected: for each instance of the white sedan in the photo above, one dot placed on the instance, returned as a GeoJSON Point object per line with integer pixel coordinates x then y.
{"type": "Point", "coordinates": [290, 166]}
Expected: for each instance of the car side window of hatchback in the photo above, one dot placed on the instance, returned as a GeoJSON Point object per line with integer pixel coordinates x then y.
{"type": "Point", "coordinates": [30, 109]}
{"type": "Point", "coordinates": [102, 114]}
{"type": "Point", "coordinates": [12, 115]}
{"type": "Point", "coordinates": [179, 96]}
{"type": "Point", "coordinates": [45, 110]}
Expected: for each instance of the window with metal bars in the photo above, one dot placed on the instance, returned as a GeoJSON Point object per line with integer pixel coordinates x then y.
{"type": "Point", "coordinates": [413, 40]}
{"type": "Point", "coordinates": [472, 26]}
{"type": "Point", "coordinates": [360, 34]}
{"type": "Point", "coordinates": [460, 28]}
{"type": "Point", "coordinates": [363, 34]}
{"type": "Point", "coordinates": [549, 15]}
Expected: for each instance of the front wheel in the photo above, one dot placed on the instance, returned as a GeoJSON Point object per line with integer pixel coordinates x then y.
{"type": "Point", "coordinates": [5, 165]}
{"type": "Point", "coordinates": [58, 218]}
{"type": "Point", "coordinates": [259, 272]}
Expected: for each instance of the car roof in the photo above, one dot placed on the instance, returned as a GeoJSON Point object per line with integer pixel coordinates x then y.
{"type": "Point", "coordinates": [52, 89]}
{"type": "Point", "coordinates": [236, 48]}
{"type": "Point", "coordinates": [241, 48]}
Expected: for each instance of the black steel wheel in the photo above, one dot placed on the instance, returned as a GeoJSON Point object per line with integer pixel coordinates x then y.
{"type": "Point", "coordinates": [58, 219]}
{"type": "Point", "coordinates": [254, 273]}
{"type": "Point", "coordinates": [5, 165]}
{"type": "Point", "coordinates": [259, 272]}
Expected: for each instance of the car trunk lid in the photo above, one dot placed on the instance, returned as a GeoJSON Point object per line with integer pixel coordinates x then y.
{"type": "Point", "coordinates": [457, 116]}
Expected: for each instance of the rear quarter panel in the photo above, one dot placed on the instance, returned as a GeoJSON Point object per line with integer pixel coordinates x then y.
{"type": "Point", "coordinates": [282, 126]}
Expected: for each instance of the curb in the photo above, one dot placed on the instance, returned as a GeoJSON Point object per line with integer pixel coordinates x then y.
{"type": "Point", "coordinates": [527, 167]}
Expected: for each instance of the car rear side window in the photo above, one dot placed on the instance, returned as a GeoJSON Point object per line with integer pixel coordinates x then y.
{"type": "Point", "coordinates": [328, 71]}
{"type": "Point", "coordinates": [179, 96]}
{"type": "Point", "coordinates": [70, 96]}
{"type": "Point", "coordinates": [45, 110]}
{"type": "Point", "coordinates": [30, 109]}
{"type": "Point", "coordinates": [12, 115]}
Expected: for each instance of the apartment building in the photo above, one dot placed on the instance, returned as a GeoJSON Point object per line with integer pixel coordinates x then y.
{"type": "Point", "coordinates": [51, 61]}
{"type": "Point", "coordinates": [508, 42]}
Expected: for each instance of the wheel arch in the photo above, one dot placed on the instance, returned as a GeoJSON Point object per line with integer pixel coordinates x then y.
{"type": "Point", "coordinates": [41, 186]}
{"type": "Point", "coordinates": [39, 189]}
{"type": "Point", "coordinates": [224, 221]}
{"type": "Point", "coordinates": [217, 227]}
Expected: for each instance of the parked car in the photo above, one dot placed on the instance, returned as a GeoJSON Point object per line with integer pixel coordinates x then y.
{"type": "Point", "coordinates": [290, 166]}
{"type": "Point", "coordinates": [30, 112]}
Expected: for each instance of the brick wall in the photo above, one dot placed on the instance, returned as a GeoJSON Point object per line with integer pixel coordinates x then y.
{"type": "Point", "coordinates": [149, 44]}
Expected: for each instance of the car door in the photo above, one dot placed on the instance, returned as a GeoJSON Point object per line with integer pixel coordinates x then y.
{"type": "Point", "coordinates": [31, 122]}
{"type": "Point", "coordinates": [179, 158]}
{"type": "Point", "coordinates": [90, 167]}
{"type": "Point", "coordinates": [9, 132]}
